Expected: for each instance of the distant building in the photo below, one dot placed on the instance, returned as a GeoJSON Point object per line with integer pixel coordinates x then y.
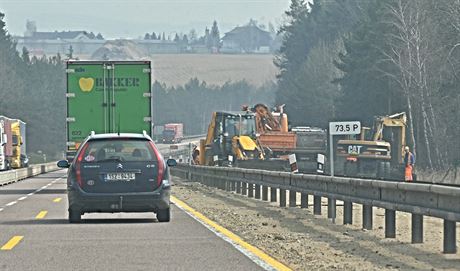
{"type": "Point", "coordinates": [63, 35]}
{"type": "Point", "coordinates": [247, 39]}
{"type": "Point", "coordinates": [52, 43]}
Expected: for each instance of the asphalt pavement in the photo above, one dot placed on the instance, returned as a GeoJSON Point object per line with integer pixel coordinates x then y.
{"type": "Point", "coordinates": [35, 235]}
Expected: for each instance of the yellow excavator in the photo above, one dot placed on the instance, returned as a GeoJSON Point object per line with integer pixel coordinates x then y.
{"type": "Point", "coordinates": [379, 152]}
{"type": "Point", "coordinates": [231, 140]}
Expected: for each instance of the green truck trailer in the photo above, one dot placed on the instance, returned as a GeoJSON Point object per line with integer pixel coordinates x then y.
{"type": "Point", "coordinates": [107, 97]}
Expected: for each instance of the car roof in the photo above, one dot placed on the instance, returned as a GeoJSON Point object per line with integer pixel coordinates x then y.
{"type": "Point", "coordinates": [120, 135]}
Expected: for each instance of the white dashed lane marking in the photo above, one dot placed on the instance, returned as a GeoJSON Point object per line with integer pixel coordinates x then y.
{"type": "Point", "coordinates": [30, 194]}
{"type": "Point", "coordinates": [11, 203]}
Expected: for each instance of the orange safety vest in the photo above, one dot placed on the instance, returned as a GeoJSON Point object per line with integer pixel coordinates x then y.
{"type": "Point", "coordinates": [408, 173]}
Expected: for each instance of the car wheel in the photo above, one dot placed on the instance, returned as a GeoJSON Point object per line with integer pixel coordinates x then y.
{"type": "Point", "coordinates": [164, 215]}
{"type": "Point", "coordinates": [74, 216]}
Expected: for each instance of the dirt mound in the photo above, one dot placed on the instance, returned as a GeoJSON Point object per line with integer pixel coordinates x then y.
{"type": "Point", "coordinates": [119, 50]}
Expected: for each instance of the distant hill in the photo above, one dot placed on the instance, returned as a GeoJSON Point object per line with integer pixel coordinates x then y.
{"type": "Point", "coordinates": [177, 69]}
{"type": "Point", "coordinates": [119, 50]}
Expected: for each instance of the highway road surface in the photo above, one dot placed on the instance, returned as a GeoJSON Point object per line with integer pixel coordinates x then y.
{"type": "Point", "coordinates": [35, 235]}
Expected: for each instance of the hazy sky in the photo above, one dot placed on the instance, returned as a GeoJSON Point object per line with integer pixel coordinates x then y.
{"type": "Point", "coordinates": [133, 18]}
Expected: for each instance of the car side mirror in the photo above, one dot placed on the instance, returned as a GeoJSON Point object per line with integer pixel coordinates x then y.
{"type": "Point", "coordinates": [171, 162]}
{"type": "Point", "coordinates": [63, 164]}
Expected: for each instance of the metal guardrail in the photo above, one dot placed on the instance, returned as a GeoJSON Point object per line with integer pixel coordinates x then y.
{"type": "Point", "coordinates": [195, 136]}
{"type": "Point", "coordinates": [418, 199]}
{"type": "Point", "coordinates": [12, 176]}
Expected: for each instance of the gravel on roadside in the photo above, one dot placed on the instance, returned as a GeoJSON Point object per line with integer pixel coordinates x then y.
{"type": "Point", "coordinates": [304, 241]}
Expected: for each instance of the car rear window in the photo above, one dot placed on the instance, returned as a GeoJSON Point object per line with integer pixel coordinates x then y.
{"type": "Point", "coordinates": [127, 150]}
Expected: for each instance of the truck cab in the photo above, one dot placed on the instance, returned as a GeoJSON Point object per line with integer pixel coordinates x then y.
{"type": "Point", "coordinates": [4, 165]}
{"type": "Point", "coordinates": [19, 158]}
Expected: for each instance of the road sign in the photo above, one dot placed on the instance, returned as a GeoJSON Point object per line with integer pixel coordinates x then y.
{"type": "Point", "coordinates": [345, 128]}
{"type": "Point", "coordinates": [341, 128]}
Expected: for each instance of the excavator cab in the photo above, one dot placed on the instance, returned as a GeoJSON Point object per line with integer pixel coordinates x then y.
{"type": "Point", "coordinates": [231, 138]}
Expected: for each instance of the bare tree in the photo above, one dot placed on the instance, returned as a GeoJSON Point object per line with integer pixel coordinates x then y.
{"type": "Point", "coordinates": [412, 52]}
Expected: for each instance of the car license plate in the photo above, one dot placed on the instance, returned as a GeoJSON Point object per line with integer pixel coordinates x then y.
{"type": "Point", "coordinates": [120, 176]}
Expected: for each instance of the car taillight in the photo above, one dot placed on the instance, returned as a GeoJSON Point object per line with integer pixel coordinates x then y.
{"type": "Point", "coordinates": [78, 165]}
{"type": "Point", "coordinates": [161, 166]}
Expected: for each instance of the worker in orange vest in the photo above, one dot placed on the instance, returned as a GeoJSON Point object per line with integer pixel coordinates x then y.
{"type": "Point", "coordinates": [409, 161]}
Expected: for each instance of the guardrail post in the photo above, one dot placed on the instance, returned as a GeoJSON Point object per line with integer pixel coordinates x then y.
{"type": "Point", "coordinates": [347, 212]}
{"type": "Point", "coordinates": [250, 190]}
{"type": "Point", "coordinates": [303, 200]}
{"type": "Point", "coordinates": [211, 182]}
{"type": "Point", "coordinates": [232, 185]}
{"type": "Point", "coordinates": [367, 217]}
{"type": "Point", "coordinates": [390, 223]}
{"type": "Point", "coordinates": [450, 239]}
{"type": "Point", "coordinates": [265, 193]}
{"type": "Point", "coordinates": [257, 187]}
{"type": "Point", "coordinates": [282, 197]}
{"type": "Point", "coordinates": [238, 187]}
{"type": "Point", "coordinates": [244, 188]}
{"type": "Point", "coordinates": [417, 229]}
{"type": "Point", "coordinates": [331, 209]}
{"type": "Point", "coordinates": [292, 198]}
{"type": "Point", "coordinates": [317, 205]}
{"type": "Point", "coordinates": [273, 194]}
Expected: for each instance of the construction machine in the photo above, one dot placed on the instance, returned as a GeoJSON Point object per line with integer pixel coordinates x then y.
{"type": "Point", "coordinates": [231, 141]}
{"type": "Point", "coordinates": [378, 152]}
{"type": "Point", "coordinates": [279, 142]}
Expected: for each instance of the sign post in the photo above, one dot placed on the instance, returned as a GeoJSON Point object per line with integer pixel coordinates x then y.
{"type": "Point", "coordinates": [341, 128]}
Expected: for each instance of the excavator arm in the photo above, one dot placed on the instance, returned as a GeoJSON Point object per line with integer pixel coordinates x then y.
{"type": "Point", "coordinates": [265, 121]}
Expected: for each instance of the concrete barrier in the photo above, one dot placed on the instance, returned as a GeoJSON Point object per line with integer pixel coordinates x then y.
{"type": "Point", "coordinates": [12, 176]}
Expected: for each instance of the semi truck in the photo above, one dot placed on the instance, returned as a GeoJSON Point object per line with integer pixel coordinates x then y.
{"type": "Point", "coordinates": [173, 133]}
{"type": "Point", "coordinates": [107, 97]}
{"type": "Point", "coordinates": [158, 132]}
{"type": "Point", "coordinates": [12, 144]}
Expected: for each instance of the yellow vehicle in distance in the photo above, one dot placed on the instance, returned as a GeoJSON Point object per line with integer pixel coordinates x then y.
{"type": "Point", "coordinates": [231, 140]}
{"type": "Point", "coordinates": [379, 152]}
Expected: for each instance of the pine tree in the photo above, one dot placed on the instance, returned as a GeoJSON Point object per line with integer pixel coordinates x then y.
{"type": "Point", "coordinates": [70, 52]}
{"type": "Point", "coordinates": [176, 38]}
{"type": "Point", "coordinates": [25, 55]}
{"type": "Point", "coordinates": [215, 36]}
{"type": "Point", "coordinates": [365, 91]}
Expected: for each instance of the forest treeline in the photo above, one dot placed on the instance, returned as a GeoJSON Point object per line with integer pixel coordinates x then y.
{"type": "Point", "coordinates": [30, 90]}
{"type": "Point", "coordinates": [353, 60]}
{"type": "Point", "coordinates": [193, 103]}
